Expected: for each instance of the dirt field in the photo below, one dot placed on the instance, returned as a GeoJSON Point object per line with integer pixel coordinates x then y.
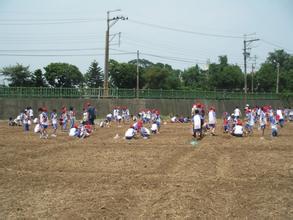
{"type": "Point", "coordinates": [164, 177]}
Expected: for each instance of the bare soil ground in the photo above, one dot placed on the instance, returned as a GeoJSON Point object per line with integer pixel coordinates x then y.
{"type": "Point", "coordinates": [164, 177]}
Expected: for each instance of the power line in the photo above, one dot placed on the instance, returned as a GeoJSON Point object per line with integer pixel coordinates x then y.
{"type": "Point", "coordinates": [179, 59]}
{"type": "Point", "coordinates": [184, 31]}
{"type": "Point", "coordinates": [61, 55]}
{"type": "Point", "coordinates": [160, 48]}
{"type": "Point", "coordinates": [52, 50]}
{"type": "Point", "coordinates": [187, 60]}
{"type": "Point", "coordinates": [275, 45]}
{"type": "Point", "coordinates": [49, 22]}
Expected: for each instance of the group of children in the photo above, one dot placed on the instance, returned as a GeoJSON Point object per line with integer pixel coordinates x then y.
{"type": "Point", "coordinates": [234, 124]}
{"type": "Point", "coordinates": [140, 127]}
{"type": "Point", "coordinates": [66, 120]}
{"type": "Point", "coordinates": [148, 121]}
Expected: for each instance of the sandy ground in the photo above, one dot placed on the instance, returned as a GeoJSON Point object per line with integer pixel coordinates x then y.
{"type": "Point", "coordinates": [164, 177]}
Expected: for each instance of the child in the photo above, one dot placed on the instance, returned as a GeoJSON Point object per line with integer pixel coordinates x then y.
{"type": "Point", "coordinates": [43, 119]}
{"type": "Point", "coordinates": [54, 122]}
{"type": "Point", "coordinates": [73, 131]}
{"type": "Point", "coordinates": [212, 120]}
{"type": "Point", "coordinates": [11, 122]}
{"type": "Point", "coordinates": [109, 117]}
{"type": "Point", "coordinates": [25, 120]}
{"type": "Point", "coordinates": [154, 128]}
{"type": "Point", "coordinates": [145, 133]}
{"type": "Point", "coordinates": [238, 129]}
{"type": "Point", "coordinates": [237, 113]}
{"type": "Point", "coordinates": [262, 120]}
{"type": "Point", "coordinates": [226, 122]}
{"type": "Point", "coordinates": [84, 115]}
{"type": "Point", "coordinates": [274, 127]}
{"type": "Point", "coordinates": [30, 112]}
{"type": "Point", "coordinates": [250, 121]}
{"type": "Point", "coordinates": [130, 133]}
{"type": "Point", "coordinates": [280, 117]}
{"type": "Point", "coordinates": [64, 118]}
{"type": "Point", "coordinates": [71, 117]}
{"type": "Point", "coordinates": [197, 125]}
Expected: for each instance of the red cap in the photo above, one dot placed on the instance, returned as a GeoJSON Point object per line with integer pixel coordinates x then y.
{"type": "Point", "coordinates": [239, 122]}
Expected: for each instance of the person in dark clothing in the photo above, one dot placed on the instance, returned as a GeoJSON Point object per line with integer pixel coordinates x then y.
{"type": "Point", "coordinates": [91, 114]}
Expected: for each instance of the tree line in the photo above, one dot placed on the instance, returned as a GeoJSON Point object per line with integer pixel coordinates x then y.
{"type": "Point", "coordinates": [218, 76]}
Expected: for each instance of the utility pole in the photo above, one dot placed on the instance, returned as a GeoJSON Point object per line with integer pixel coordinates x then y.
{"type": "Point", "coordinates": [278, 76]}
{"type": "Point", "coordinates": [252, 72]}
{"type": "Point", "coordinates": [253, 66]}
{"type": "Point", "coordinates": [246, 54]}
{"type": "Point", "coordinates": [114, 20]}
{"type": "Point", "coordinates": [137, 74]}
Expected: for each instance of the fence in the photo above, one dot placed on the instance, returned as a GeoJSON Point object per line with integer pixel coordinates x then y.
{"type": "Point", "coordinates": [42, 92]}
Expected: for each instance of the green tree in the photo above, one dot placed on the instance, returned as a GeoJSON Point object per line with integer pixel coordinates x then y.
{"type": "Point", "coordinates": [18, 75]}
{"type": "Point", "coordinates": [225, 76]}
{"type": "Point", "coordinates": [94, 77]}
{"type": "Point", "coordinates": [38, 79]}
{"type": "Point", "coordinates": [194, 78]}
{"type": "Point", "coordinates": [266, 76]}
{"type": "Point", "coordinates": [156, 78]}
{"type": "Point", "coordinates": [122, 75]}
{"type": "Point", "coordinates": [63, 75]}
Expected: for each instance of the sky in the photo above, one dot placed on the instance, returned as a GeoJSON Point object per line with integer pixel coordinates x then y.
{"type": "Point", "coordinates": [181, 33]}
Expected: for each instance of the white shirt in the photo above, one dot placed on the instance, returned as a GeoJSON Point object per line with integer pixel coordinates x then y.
{"type": "Point", "coordinates": [212, 117]}
{"type": "Point", "coordinates": [84, 116]}
{"type": "Point", "coordinates": [130, 133]}
{"type": "Point", "coordinates": [154, 127]}
{"type": "Point", "coordinates": [31, 113]}
{"type": "Point", "coordinates": [238, 129]}
{"type": "Point", "coordinates": [251, 119]}
{"type": "Point", "coordinates": [54, 118]}
{"type": "Point", "coordinates": [145, 131]}
{"type": "Point", "coordinates": [196, 122]}
{"type": "Point", "coordinates": [173, 119]}
{"type": "Point", "coordinates": [279, 112]}
{"type": "Point", "coordinates": [44, 119]}
{"type": "Point", "coordinates": [72, 132]}
{"type": "Point", "coordinates": [237, 112]}
{"type": "Point", "coordinates": [262, 119]}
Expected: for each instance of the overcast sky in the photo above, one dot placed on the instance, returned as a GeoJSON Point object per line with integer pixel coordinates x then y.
{"type": "Point", "coordinates": [178, 32]}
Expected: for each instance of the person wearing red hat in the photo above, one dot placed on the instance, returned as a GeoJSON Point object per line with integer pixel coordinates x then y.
{"type": "Point", "coordinates": [238, 129]}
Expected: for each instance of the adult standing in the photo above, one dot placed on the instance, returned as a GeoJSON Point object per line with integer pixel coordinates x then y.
{"type": "Point", "coordinates": [91, 114]}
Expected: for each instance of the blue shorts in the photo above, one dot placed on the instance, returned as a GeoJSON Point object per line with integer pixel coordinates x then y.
{"type": "Point", "coordinates": [55, 126]}
{"type": "Point", "coordinates": [212, 125]}
{"type": "Point", "coordinates": [44, 126]}
{"type": "Point", "coordinates": [263, 126]}
{"type": "Point", "coordinates": [196, 130]}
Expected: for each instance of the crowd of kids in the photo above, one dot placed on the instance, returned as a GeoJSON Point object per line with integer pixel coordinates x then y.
{"type": "Point", "coordinates": [237, 124]}
{"type": "Point", "coordinates": [148, 121]}
{"type": "Point", "coordinates": [144, 119]}
{"type": "Point", "coordinates": [66, 119]}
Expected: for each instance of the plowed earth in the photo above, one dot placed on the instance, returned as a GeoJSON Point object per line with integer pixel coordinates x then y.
{"type": "Point", "coordinates": [164, 177]}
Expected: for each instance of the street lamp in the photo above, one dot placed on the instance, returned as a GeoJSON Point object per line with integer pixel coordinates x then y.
{"type": "Point", "coordinates": [110, 23]}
